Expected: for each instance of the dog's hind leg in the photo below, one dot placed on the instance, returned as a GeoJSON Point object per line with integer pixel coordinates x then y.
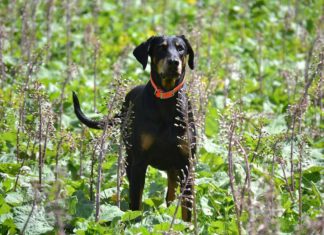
{"type": "Point", "coordinates": [172, 186]}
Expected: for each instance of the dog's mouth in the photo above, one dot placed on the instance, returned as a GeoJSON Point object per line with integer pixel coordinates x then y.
{"type": "Point", "coordinates": [168, 80]}
{"type": "Point", "coordinates": [170, 75]}
{"type": "Point", "coordinates": [168, 83]}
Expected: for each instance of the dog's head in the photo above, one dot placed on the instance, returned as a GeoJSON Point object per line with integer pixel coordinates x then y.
{"type": "Point", "coordinates": [169, 55]}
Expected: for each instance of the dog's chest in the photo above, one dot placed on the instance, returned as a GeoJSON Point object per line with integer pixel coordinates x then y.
{"type": "Point", "coordinates": [162, 135]}
{"type": "Point", "coordinates": [164, 145]}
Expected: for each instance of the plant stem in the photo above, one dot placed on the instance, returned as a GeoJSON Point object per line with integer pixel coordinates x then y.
{"type": "Point", "coordinates": [81, 152]}
{"type": "Point", "coordinates": [31, 212]}
{"type": "Point", "coordinates": [230, 172]}
{"type": "Point", "coordinates": [292, 138]}
{"type": "Point", "coordinates": [300, 172]}
{"type": "Point", "coordinates": [58, 149]}
{"type": "Point", "coordinates": [102, 151]}
{"type": "Point", "coordinates": [92, 172]}
{"type": "Point", "coordinates": [2, 65]}
{"type": "Point", "coordinates": [40, 159]}
{"type": "Point", "coordinates": [248, 177]}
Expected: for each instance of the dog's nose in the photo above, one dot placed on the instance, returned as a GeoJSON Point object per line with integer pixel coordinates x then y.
{"type": "Point", "coordinates": [173, 62]}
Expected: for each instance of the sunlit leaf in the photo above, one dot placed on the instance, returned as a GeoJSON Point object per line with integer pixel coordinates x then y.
{"type": "Point", "coordinates": [131, 215]}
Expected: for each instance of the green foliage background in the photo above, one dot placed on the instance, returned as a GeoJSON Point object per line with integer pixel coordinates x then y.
{"type": "Point", "coordinates": [256, 58]}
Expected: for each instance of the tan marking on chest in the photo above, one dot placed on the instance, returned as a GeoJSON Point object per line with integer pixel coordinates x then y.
{"type": "Point", "coordinates": [146, 141]}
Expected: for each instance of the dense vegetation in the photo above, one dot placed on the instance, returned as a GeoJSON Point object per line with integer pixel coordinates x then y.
{"type": "Point", "coordinates": [258, 96]}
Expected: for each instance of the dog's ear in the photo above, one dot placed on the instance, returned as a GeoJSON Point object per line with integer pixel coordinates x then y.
{"type": "Point", "coordinates": [191, 61]}
{"type": "Point", "coordinates": [141, 52]}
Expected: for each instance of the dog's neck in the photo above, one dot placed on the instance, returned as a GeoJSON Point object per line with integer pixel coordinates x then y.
{"type": "Point", "coordinates": [162, 92]}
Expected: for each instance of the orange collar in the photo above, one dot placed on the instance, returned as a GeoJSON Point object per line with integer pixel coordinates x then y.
{"type": "Point", "coordinates": [165, 94]}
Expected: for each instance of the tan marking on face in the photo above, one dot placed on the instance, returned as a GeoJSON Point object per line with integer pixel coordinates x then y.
{"type": "Point", "coordinates": [146, 141]}
{"type": "Point", "coordinates": [184, 61]}
{"type": "Point", "coordinates": [177, 44]}
{"type": "Point", "coordinates": [180, 66]}
{"type": "Point", "coordinates": [162, 66]}
{"type": "Point", "coordinates": [164, 43]}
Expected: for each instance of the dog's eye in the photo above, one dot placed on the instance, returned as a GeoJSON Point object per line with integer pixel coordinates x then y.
{"type": "Point", "coordinates": [163, 46]}
{"type": "Point", "coordinates": [180, 48]}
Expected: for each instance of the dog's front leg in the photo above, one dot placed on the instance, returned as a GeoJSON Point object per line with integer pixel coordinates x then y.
{"type": "Point", "coordinates": [136, 185]}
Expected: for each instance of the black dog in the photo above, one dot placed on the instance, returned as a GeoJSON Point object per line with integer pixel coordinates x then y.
{"type": "Point", "coordinates": [157, 122]}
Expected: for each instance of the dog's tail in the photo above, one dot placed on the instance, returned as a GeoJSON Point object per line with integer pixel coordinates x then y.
{"type": "Point", "coordinates": [83, 118]}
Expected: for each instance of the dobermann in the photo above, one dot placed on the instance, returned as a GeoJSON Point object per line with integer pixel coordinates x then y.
{"type": "Point", "coordinates": [156, 127]}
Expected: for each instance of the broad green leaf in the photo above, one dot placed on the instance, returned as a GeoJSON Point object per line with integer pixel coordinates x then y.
{"type": "Point", "coordinates": [9, 168]}
{"type": "Point", "coordinates": [84, 207]}
{"type": "Point", "coordinates": [7, 184]}
{"type": "Point", "coordinates": [216, 226]}
{"type": "Point", "coordinates": [209, 145]}
{"type": "Point", "coordinates": [131, 215]}
{"type": "Point", "coordinates": [4, 208]}
{"type": "Point", "coordinates": [109, 213]}
{"type": "Point", "coordinates": [317, 193]}
{"type": "Point", "coordinates": [312, 174]}
{"type": "Point", "coordinates": [14, 198]}
{"type": "Point", "coordinates": [278, 125]}
{"type": "Point", "coordinates": [139, 230]}
{"type": "Point", "coordinates": [108, 193]}
{"type": "Point", "coordinates": [35, 220]}
{"type": "Point", "coordinates": [149, 202]}
{"type": "Point", "coordinates": [206, 209]}
{"type": "Point", "coordinates": [8, 224]}
{"type": "Point", "coordinates": [164, 227]}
